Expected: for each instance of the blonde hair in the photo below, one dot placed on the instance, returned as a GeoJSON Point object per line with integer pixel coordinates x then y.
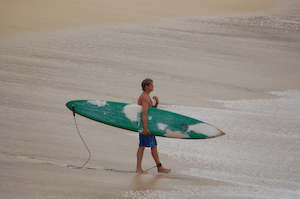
{"type": "Point", "coordinates": [145, 83]}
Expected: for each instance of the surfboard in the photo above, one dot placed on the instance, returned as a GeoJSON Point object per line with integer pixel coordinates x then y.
{"type": "Point", "coordinates": [129, 116]}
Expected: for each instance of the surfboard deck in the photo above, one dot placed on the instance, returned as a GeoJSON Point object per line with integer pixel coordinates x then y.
{"type": "Point", "coordinates": [129, 117]}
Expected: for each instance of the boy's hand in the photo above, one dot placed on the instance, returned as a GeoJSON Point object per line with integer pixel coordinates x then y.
{"type": "Point", "coordinates": [146, 132]}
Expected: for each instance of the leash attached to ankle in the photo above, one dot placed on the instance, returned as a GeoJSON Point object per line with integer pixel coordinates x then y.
{"type": "Point", "coordinates": [158, 165]}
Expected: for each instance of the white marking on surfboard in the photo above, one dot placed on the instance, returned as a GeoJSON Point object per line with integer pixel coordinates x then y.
{"type": "Point", "coordinates": [98, 103]}
{"type": "Point", "coordinates": [175, 134]}
{"type": "Point", "coordinates": [133, 112]}
{"type": "Point", "coordinates": [204, 128]}
{"type": "Point", "coordinates": [162, 126]}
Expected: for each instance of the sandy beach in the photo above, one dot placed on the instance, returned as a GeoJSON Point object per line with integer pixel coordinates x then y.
{"type": "Point", "coordinates": [33, 15]}
{"type": "Point", "coordinates": [233, 64]}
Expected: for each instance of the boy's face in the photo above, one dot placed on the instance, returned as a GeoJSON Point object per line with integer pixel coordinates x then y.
{"type": "Point", "coordinates": [150, 87]}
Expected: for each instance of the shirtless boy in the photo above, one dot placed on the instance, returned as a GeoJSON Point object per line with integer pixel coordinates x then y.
{"type": "Point", "coordinates": [147, 140]}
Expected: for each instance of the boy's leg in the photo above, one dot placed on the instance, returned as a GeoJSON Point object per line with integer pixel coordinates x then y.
{"type": "Point", "coordinates": [139, 154]}
{"type": "Point", "coordinates": [155, 156]}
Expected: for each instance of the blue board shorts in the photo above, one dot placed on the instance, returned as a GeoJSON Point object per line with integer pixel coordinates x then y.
{"type": "Point", "coordinates": [147, 140]}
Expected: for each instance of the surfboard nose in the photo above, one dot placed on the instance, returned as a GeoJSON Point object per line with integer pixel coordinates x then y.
{"type": "Point", "coordinates": [221, 133]}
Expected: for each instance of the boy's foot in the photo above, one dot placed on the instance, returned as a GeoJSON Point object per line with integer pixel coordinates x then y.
{"type": "Point", "coordinates": [139, 171]}
{"type": "Point", "coordinates": [162, 169]}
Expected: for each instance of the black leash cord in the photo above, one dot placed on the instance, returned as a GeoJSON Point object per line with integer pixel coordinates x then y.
{"type": "Point", "coordinates": [73, 109]}
{"type": "Point", "coordinates": [129, 171]}
{"type": "Point", "coordinates": [90, 155]}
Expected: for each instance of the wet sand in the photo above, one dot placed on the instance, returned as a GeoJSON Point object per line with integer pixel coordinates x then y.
{"type": "Point", "coordinates": [202, 57]}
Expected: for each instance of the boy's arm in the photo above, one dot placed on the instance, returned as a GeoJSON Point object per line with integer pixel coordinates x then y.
{"type": "Point", "coordinates": [145, 107]}
{"type": "Point", "coordinates": [156, 102]}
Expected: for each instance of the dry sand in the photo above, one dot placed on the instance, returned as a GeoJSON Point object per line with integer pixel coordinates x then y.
{"type": "Point", "coordinates": [56, 51]}
{"type": "Point", "coordinates": [31, 15]}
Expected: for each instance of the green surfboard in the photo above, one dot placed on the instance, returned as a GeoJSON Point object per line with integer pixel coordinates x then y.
{"type": "Point", "coordinates": [129, 116]}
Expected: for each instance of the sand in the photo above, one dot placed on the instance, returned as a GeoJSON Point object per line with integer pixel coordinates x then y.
{"type": "Point", "coordinates": [32, 15]}
{"type": "Point", "coordinates": [234, 64]}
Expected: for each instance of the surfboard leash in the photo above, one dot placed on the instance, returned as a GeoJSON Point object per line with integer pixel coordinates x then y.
{"type": "Point", "coordinates": [90, 155]}
{"type": "Point", "coordinates": [129, 171]}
